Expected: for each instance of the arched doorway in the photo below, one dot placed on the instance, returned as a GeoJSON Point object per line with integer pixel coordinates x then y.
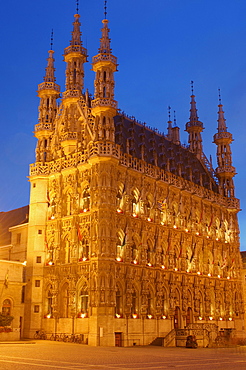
{"type": "Point", "coordinates": [177, 318]}
{"type": "Point", "coordinates": [189, 316]}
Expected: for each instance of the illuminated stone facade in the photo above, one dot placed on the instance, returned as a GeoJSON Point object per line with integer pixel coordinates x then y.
{"type": "Point", "coordinates": [130, 234]}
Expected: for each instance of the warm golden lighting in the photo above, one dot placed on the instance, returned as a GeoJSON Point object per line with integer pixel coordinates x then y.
{"type": "Point", "coordinates": [135, 215]}
{"type": "Point", "coordinates": [149, 264]}
{"type": "Point", "coordinates": [163, 267]}
{"type": "Point", "coordinates": [119, 210]}
{"type": "Point", "coordinates": [118, 259]}
{"type": "Point", "coordinates": [135, 262]}
{"type": "Point", "coordinates": [117, 316]}
{"type": "Point", "coordinates": [83, 315]}
{"type": "Point", "coordinates": [164, 317]}
{"type": "Point", "coordinates": [221, 318]}
{"type": "Point", "coordinates": [209, 274]}
{"type": "Point", "coordinates": [175, 226]}
{"type": "Point", "coordinates": [175, 269]}
{"type": "Point", "coordinates": [198, 273]}
{"type": "Point", "coordinates": [24, 263]}
{"type": "Point", "coordinates": [134, 316]}
{"type": "Point", "coordinates": [149, 219]}
{"type": "Point", "coordinates": [197, 233]}
{"type": "Point", "coordinates": [200, 318]}
{"type": "Point", "coordinates": [48, 316]}
{"type": "Point", "coordinates": [210, 318]}
{"type": "Point", "coordinates": [230, 318]}
{"type": "Point", "coordinates": [219, 276]}
{"type": "Point", "coordinates": [186, 230]}
{"type": "Point", "coordinates": [149, 316]}
{"type": "Point", "coordinates": [228, 277]}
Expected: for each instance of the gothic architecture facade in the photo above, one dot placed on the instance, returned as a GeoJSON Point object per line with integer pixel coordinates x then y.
{"type": "Point", "coordinates": [130, 233]}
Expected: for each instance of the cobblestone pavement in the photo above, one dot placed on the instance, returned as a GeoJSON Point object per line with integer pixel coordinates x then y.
{"type": "Point", "coordinates": [54, 355]}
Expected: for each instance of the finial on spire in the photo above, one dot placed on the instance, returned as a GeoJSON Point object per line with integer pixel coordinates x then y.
{"type": "Point", "coordinates": [51, 39]}
{"type": "Point", "coordinates": [77, 6]}
{"type": "Point", "coordinates": [169, 113]}
{"type": "Point", "coordinates": [219, 96]}
{"type": "Point", "coordinates": [174, 118]}
{"type": "Point", "coordinates": [192, 87]}
{"type": "Point", "coordinates": [105, 9]}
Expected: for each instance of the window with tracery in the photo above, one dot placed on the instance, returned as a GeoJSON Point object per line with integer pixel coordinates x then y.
{"type": "Point", "coordinates": [84, 301]}
{"type": "Point", "coordinates": [6, 307]}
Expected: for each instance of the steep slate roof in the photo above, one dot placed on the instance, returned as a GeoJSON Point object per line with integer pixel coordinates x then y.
{"type": "Point", "coordinates": [160, 151]}
{"type": "Point", "coordinates": [7, 219]}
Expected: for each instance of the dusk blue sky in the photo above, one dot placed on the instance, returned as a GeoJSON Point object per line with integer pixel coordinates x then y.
{"type": "Point", "coordinates": [161, 46]}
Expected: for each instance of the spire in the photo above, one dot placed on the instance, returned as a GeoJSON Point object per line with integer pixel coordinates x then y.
{"type": "Point", "coordinates": [221, 119]}
{"type": "Point", "coordinates": [105, 40]}
{"type": "Point", "coordinates": [169, 123]}
{"type": "Point", "coordinates": [173, 132]}
{"type": "Point", "coordinates": [75, 56]}
{"type": "Point", "coordinates": [104, 107]}
{"type": "Point", "coordinates": [48, 92]}
{"type": "Point", "coordinates": [194, 127]}
{"type": "Point", "coordinates": [225, 171]}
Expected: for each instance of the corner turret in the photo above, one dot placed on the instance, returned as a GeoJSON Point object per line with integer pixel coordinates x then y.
{"type": "Point", "coordinates": [48, 92]}
{"type": "Point", "coordinates": [194, 127]}
{"type": "Point", "coordinates": [225, 171]}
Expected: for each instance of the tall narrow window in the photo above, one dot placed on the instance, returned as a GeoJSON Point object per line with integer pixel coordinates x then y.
{"type": "Point", "coordinates": [84, 301]}
{"type": "Point", "coordinates": [50, 302]}
{"type": "Point", "coordinates": [134, 308]}
{"type": "Point", "coordinates": [64, 301]}
{"type": "Point", "coordinates": [118, 306]}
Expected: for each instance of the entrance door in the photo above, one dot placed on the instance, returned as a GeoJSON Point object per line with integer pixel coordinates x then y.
{"type": "Point", "coordinates": [177, 318]}
{"type": "Point", "coordinates": [118, 339]}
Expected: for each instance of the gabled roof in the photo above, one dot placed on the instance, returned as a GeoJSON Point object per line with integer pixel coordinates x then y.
{"type": "Point", "coordinates": [144, 143]}
{"type": "Point", "coordinates": [11, 218]}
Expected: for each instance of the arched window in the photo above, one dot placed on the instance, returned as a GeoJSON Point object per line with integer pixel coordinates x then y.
{"type": "Point", "coordinates": [149, 304]}
{"type": "Point", "coordinates": [85, 204]}
{"type": "Point", "coordinates": [64, 300]}
{"type": "Point", "coordinates": [84, 301]}
{"type": "Point", "coordinates": [149, 252]}
{"type": "Point", "coordinates": [6, 307]}
{"type": "Point", "coordinates": [119, 246]}
{"type": "Point", "coordinates": [118, 305]}
{"type": "Point", "coordinates": [134, 308]}
{"type": "Point", "coordinates": [49, 303]}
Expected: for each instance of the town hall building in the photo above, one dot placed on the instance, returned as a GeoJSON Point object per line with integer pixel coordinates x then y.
{"type": "Point", "coordinates": [131, 235]}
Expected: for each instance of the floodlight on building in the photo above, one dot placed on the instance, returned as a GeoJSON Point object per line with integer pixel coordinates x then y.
{"type": "Point", "coordinates": [24, 263]}
{"type": "Point", "coordinates": [149, 316]}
